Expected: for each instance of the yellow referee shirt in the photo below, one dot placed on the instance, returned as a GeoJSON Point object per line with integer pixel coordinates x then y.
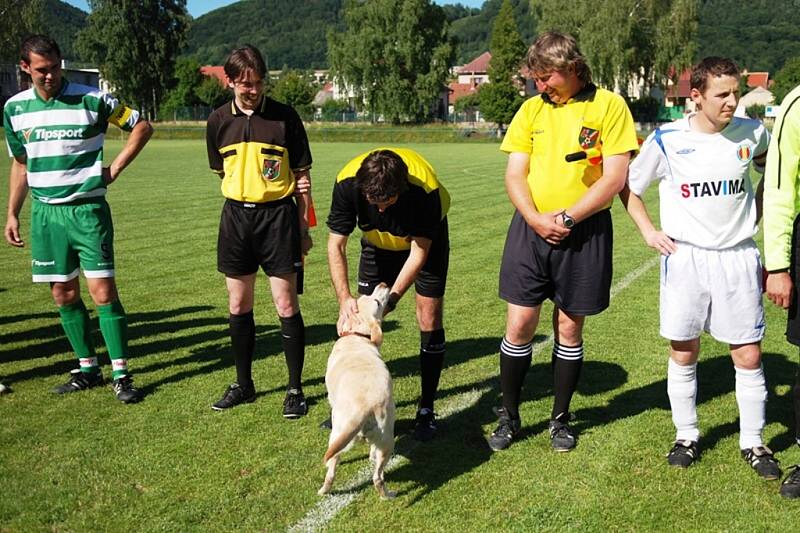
{"type": "Point", "coordinates": [593, 118]}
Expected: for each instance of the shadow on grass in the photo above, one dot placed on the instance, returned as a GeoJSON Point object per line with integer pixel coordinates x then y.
{"type": "Point", "coordinates": [45, 342]}
{"type": "Point", "coordinates": [461, 434]}
{"type": "Point", "coordinates": [716, 378]}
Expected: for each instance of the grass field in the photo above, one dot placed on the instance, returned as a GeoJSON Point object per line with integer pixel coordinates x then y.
{"type": "Point", "coordinates": [85, 462]}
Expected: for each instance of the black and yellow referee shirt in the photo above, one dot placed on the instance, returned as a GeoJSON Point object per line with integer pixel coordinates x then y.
{"type": "Point", "coordinates": [258, 153]}
{"type": "Point", "coordinates": [418, 212]}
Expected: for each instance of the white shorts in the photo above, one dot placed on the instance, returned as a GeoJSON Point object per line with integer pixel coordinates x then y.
{"type": "Point", "coordinates": [718, 291]}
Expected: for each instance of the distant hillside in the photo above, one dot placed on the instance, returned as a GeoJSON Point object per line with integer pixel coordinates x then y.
{"type": "Point", "coordinates": [62, 22]}
{"type": "Point", "coordinates": [287, 32]}
{"type": "Point", "coordinates": [759, 37]}
{"type": "Point", "coordinates": [473, 32]}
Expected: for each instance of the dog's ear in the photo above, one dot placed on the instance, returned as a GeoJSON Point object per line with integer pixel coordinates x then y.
{"type": "Point", "coordinates": [375, 332]}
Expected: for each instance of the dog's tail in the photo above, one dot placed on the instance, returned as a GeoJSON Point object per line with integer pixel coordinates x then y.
{"type": "Point", "coordinates": [341, 442]}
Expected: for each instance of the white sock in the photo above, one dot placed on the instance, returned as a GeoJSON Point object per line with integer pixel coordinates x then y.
{"type": "Point", "coordinates": [682, 392]}
{"type": "Point", "coordinates": [751, 395]}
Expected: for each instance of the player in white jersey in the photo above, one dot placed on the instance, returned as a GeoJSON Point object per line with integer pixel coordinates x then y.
{"type": "Point", "coordinates": [711, 274]}
{"type": "Point", "coordinates": [54, 132]}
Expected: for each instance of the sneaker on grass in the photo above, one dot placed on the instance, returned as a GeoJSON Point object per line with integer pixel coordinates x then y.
{"type": "Point", "coordinates": [235, 395]}
{"type": "Point", "coordinates": [762, 461]}
{"type": "Point", "coordinates": [790, 488]}
{"type": "Point", "coordinates": [4, 389]}
{"type": "Point", "coordinates": [683, 454]}
{"type": "Point", "coordinates": [294, 405]}
{"type": "Point", "coordinates": [424, 425]}
{"type": "Point", "coordinates": [506, 430]}
{"type": "Point", "coordinates": [125, 391]}
{"type": "Point", "coordinates": [562, 437]}
{"type": "Point", "coordinates": [79, 380]}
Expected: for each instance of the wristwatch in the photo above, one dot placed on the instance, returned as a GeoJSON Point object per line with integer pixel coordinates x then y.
{"type": "Point", "coordinates": [567, 220]}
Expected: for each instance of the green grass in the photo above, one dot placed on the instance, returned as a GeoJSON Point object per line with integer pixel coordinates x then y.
{"type": "Point", "coordinates": [84, 462]}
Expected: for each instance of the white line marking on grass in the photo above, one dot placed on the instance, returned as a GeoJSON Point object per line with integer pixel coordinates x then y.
{"type": "Point", "coordinates": [330, 505]}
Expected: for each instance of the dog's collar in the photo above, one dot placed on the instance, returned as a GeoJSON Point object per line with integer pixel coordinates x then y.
{"type": "Point", "coordinates": [365, 335]}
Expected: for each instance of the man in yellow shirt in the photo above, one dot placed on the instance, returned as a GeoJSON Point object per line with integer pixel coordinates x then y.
{"type": "Point", "coordinates": [782, 238]}
{"type": "Point", "coordinates": [569, 149]}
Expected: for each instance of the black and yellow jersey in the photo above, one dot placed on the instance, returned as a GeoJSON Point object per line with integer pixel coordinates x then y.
{"type": "Point", "coordinates": [418, 212]}
{"type": "Point", "coordinates": [257, 154]}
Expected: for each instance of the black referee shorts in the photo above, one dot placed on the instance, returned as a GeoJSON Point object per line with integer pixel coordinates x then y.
{"type": "Point", "coordinates": [259, 235]}
{"type": "Point", "coordinates": [793, 322]}
{"type": "Point", "coordinates": [576, 274]}
{"type": "Point", "coordinates": [376, 266]}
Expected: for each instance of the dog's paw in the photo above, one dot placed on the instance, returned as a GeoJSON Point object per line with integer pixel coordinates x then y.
{"type": "Point", "coordinates": [323, 490]}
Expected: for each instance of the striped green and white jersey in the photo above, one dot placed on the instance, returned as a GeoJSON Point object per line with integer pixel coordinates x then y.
{"type": "Point", "coordinates": [62, 139]}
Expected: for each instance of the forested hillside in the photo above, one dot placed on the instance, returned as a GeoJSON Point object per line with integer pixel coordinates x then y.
{"type": "Point", "coordinates": [288, 32]}
{"type": "Point", "coordinates": [760, 35]}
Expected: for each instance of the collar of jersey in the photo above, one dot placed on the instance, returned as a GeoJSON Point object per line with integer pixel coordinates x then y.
{"type": "Point", "coordinates": [586, 93]}
{"type": "Point", "coordinates": [236, 111]}
{"type": "Point", "coordinates": [64, 83]}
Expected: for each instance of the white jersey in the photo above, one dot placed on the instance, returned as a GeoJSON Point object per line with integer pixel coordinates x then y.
{"type": "Point", "coordinates": [705, 189]}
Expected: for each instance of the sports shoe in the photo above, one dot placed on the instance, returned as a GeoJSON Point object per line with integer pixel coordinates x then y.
{"type": "Point", "coordinates": [562, 438]}
{"type": "Point", "coordinates": [125, 391]}
{"type": "Point", "coordinates": [683, 453]}
{"type": "Point", "coordinates": [4, 389]}
{"type": "Point", "coordinates": [790, 488]}
{"type": "Point", "coordinates": [424, 425]}
{"type": "Point", "coordinates": [762, 461]}
{"type": "Point", "coordinates": [80, 381]}
{"type": "Point", "coordinates": [506, 430]}
{"type": "Point", "coordinates": [234, 395]}
{"type": "Point", "coordinates": [294, 405]}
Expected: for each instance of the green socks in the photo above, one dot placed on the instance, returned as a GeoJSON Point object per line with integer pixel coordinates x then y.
{"type": "Point", "coordinates": [114, 326]}
{"type": "Point", "coordinates": [75, 321]}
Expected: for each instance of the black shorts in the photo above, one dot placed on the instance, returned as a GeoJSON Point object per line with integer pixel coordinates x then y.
{"type": "Point", "coordinates": [576, 274]}
{"type": "Point", "coordinates": [259, 235]}
{"type": "Point", "coordinates": [378, 265]}
{"type": "Point", "coordinates": [793, 323]}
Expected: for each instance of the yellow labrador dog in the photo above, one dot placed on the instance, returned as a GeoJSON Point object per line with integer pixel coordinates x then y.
{"type": "Point", "coordinates": [360, 391]}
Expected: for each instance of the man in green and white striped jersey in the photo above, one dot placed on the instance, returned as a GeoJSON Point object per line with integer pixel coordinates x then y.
{"type": "Point", "coordinates": [55, 133]}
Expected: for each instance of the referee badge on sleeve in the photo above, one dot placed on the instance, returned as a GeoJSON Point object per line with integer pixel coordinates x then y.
{"type": "Point", "coordinates": [272, 169]}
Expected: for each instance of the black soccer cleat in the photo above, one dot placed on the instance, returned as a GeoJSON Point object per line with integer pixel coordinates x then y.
{"type": "Point", "coordinates": [79, 381]}
{"type": "Point", "coordinates": [506, 430]}
{"type": "Point", "coordinates": [4, 389]}
{"type": "Point", "coordinates": [790, 488]}
{"type": "Point", "coordinates": [763, 462]}
{"type": "Point", "coordinates": [235, 395]}
{"type": "Point", "coordinates": [562, 436]}
{"type": "Point", "coordinates": [683, 454]}
{"type": "Point", "coordinates": [125, 391]}
{"type": "Point", "coordinates": [294, 404]}
{"type": "Point", "coordinates": [424, 425]}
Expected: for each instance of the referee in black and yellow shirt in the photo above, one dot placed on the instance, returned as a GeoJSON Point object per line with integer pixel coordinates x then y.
{"type": "Point", "coordinates": [260, 150]}
{"type": "Point", "coordinates": [395, 198]}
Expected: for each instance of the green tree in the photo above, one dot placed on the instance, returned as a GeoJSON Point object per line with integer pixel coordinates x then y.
{"type": "Point", "coordinates": [134, 44]}
{"type": "Point", "coordinates": [335, 110]}
{"type": "Point", "coordinates": [786, 79]}
{"type": "Point", "coordinates": [185, 85]}
{"type": "Point", "coordinates": [394, 55]}
{"type": "Point", "coordinates": [294, 89]}
{"type": "Point", "coordinates": [500, 98]}
{"type": "Point", "coordinates": [212, 93]}
{"type": "Point", "coordinates": [18, 18]}
{"type": "Point", "coordinates": [628, 40]}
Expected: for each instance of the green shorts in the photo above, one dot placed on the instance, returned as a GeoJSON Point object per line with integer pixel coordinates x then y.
{"type": "Point", "coordinates": [68, 236]}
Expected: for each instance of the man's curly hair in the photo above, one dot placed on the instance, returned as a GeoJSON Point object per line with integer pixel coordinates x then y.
{"type": "Point", "coordinates": [382, 176]}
